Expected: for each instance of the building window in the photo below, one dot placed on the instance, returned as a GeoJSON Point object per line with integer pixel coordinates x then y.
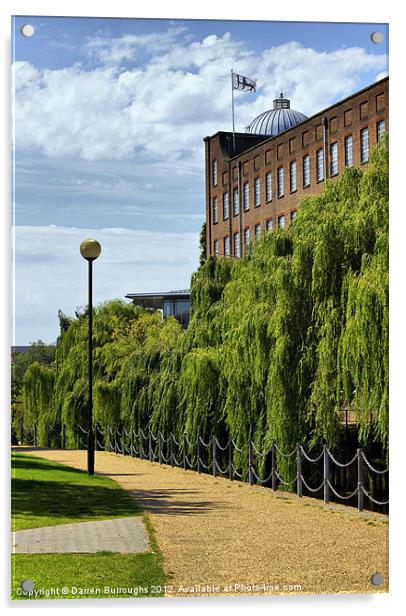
{"type": "Point", "coordinates": [257, 192]}
{"type": "Point", "coordinates": [216, 247]}
{"type": "Point", "coordinates": [293, 215]}
{"type": "Point", "coordinates": [292, 175]}
{"type": "Point", "coordinates": [214, 172]}
{"type": "Point", "coordinates": [380, 130]}
{"type": "Point", "coordinates": [333, 159]}
{"type": "Point", "coordinates": [226, 205]}
{"type": "Point", "coordinates": [257, 231]}
{"type": "Point", "coordinates": [348, 117]}
{"type": "Point", "coordinates": [380, 102]}
{"type": "Point", "coordinates": [227, 246]}
{"type": "Point", "coordinates": [281, 182]}
{"type": "Point", "coordinates": [364, 145]}
{"type": "Point", "coordinates": [247, 236]}
{"type": "Point", "coordinates": [363, 110]}
{"type": "Point", "coordinates": [348, 151]}
{"type": "Point", "coordinates": [306, 170]}
{"type": "Point", "coordinates": [236, 203]}
{"type": "Point", "coordinates": [237, 250]}
{"type": "Point", "coordinates": [269, 224]}
{"type": "Point", "coordinates": [268, 182]}
{"type": "Point", "coordinates": [246, 196]}
{"type": "Point", "coordinates": [180, 309]}
{"type": "Point", "coordinates": [333, 125]}
{"type": "Point", "coordinates": [305, 139]}
{"type": "Point", "coordinates": [215, 211]}
{"type": "Point", "coordinates": [319, 165]}
{"type": "Point", "coordinates": [281, 221]}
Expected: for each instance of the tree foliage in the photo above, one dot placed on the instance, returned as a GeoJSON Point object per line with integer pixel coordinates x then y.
{"type": "Point", "coordinates": [37, 352]}
{"type": "Point", "coordinates": [278, 341]}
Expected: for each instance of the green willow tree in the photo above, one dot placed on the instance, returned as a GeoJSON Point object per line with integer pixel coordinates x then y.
{"type": "Point", "coordinates": [278, 341]}
{"type": "Point", "coordinates": [38, 398]}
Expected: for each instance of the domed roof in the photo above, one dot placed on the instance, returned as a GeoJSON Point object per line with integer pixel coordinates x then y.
{"type": "Point", "coordinates": [276, 120]}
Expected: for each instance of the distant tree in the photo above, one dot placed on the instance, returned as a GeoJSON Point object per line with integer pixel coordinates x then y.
{"type": "Point", "coordinates": [38, 352]}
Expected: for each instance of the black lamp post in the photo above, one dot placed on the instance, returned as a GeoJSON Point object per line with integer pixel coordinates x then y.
{"type": "Point", "coordinates": [90, 250]}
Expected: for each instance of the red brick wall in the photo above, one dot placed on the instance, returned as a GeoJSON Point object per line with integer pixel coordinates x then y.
{"type": "Point", "coordinates": [348, 117]}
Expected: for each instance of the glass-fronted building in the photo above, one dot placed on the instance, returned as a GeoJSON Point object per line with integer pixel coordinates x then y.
{"type": "Point", "coordinates": [171, 304]}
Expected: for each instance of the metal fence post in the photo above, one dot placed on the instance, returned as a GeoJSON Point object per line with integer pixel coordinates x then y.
{"type": "Point", "coordinates": [299, 471]}
{"type": "Point", "coordinates": [184, 451]}
{"type": "Point", "coordinates": [250, 461]}
{"type": "Point", "coordinates": [48, 437]}
{"type": "Point", "coordinates": [230, 459]}
{"type": "Point", "coordinates": [115, 440]}
{"type": "Point", "coordinates": [273, 468]}
{"type": "Point", "coordinates": [141, 445]}
{"type": "Point", "coordinates": [171, 448]}
{"type": "Point", "coordinates": [160, 447]}
{"type": "Point", "coordinates": [63, 436]}
{"type": "Point", "coordinates": [95, 438]}
{"type": "Point", "coordinates": [199, 466]}
{"type": "Point", "coordinates": [360, 480]}
{"type": "Point", "coordinates": [326, 473]}
{"type": "Point", "coordinates": [149, 445]}
{"type": "Point", "coordinates": [132, 442]}
{"type": "Point", "coordinates": [35, 437]}
{"type": "Point", "coordinates": [214, 457]}
{"type": "Point", "coordinates": [77, 434]}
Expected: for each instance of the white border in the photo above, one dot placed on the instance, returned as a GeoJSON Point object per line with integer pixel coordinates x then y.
{"type": "Point", "coordinates": [343, 11]}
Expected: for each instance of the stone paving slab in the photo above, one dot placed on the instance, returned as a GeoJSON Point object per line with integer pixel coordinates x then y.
{"type": "Point", "coordinates": [124, 535]}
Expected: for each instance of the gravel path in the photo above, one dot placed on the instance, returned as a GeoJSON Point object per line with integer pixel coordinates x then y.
{"type": "Point", "coordinates": [222, 537]}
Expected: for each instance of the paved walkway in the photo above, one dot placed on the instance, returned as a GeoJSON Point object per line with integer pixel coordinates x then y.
{"type": "Point", "coordinates": [223, 537]}
{"type": "Point", "coordinates": [127, 535]}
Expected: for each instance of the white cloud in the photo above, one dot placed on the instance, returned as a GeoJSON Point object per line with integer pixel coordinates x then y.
{"type": "Point", "coordinates": [51, 274]}
{"type": "Point", "coordinates": [311, 79]}
{"type": "Point", "coordinates": [164, 105]}
{"type": "Point", "coordinates": [127, 47]}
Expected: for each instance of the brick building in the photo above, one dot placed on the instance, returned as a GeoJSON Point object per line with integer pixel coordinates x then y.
{"type": "Point", "coordinates": [255, 182]}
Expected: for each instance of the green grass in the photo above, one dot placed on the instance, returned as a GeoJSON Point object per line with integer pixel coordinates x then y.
{"type": "Point", "coordinates": [88, 571]}
{"type": "Point", "coordinates": [46, 493]}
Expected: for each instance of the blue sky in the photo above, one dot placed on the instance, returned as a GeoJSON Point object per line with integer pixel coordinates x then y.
{"type": "Point", "coordinates": [109, 120]}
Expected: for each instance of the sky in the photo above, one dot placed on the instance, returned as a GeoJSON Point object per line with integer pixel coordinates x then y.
{"type": "Point", "coordinates": [109, 117]}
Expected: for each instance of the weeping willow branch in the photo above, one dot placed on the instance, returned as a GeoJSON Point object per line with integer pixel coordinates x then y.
{"type": "Point", "coordinates": [278, 341]}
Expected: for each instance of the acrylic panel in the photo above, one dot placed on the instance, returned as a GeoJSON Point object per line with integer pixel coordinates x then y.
{"type": "Point", "coordinates": [200, 342]}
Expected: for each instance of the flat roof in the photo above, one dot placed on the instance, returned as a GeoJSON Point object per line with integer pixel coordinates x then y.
{"type": "Point", "coordinates": [181, 294]}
